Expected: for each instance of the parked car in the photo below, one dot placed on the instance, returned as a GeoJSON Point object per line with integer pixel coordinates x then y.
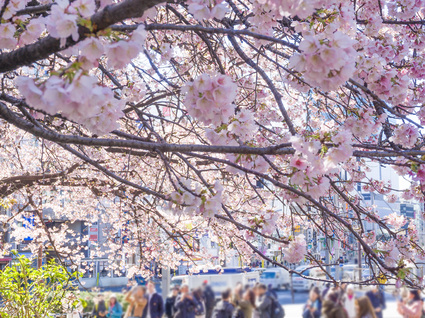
{"type": "Point", "coordinates": [300, 283]}
{"type": "Point", "coordinates": [218, 280]}
{"type": "Point", "coordinates": [276, 277]}
{"type": "Point", "coordinates": [353, 271]}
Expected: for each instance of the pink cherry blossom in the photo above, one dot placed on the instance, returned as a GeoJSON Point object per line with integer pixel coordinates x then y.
{"type": "Point", "coordinates": [405, 135]}
{"type": "Point", "coordinates": [32, 32]}
{"type": "Point", "coordinates": [299, 163]}
{"type": "Point", "coordinates": [121, 53]}
{"type": "Point", "coordinates": [7, 39]}
{"type": "Point", "coordinates": [396, 221]}
{"type": "Point", "coordinates": [209, 98]}
{"type": "Point", "coordinates": [335, 58]}
{"type": "Point", "coordinates": [296, 249]}
{"type": "Point", "coordinates": [85, 8]}
{"type": "Point", "coordinates": [92, 49]}
{"type": "Point", "coordinates": [62, 25]}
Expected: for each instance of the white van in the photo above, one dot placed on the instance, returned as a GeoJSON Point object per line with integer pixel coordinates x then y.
{"type": "Point", "coordinates": [218, 280]}
{"type": "Point", "coordinates": [276, 277]}
{"type": "Point", "coordinates": [304, 284]}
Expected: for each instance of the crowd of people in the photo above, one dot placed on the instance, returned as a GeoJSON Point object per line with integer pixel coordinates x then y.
{"type": "Point", "coordinates": [253, 302]}
{"type": "Point", "coordinates": [242, 302]}
{"type": "Point", "coordinates": [142, 302]}
{"type": "Point", "coordinates": [340, 302]}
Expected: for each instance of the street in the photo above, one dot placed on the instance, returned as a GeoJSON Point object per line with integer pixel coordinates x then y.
{"type": "Point", "coordinates": [295, 310]}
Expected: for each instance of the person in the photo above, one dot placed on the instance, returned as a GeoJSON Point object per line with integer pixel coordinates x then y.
{"type": "Point", "coordinates": [237, 294]}
{"type": "Point", "coordinates": [209, 298]}
{"type": "Point", "coordinates": [349, 301]}
{"type": "Point", "coordinates": [247, 304]}
{"type": "Point", "coordinates": [99, 310]}
{"type": "Point", "coordinates": [313, 307]}
{"type": "Point", "coordinates": [137, 302]}
{"type": "Point", "coordinates": [332, 306]}
{"type": "Point", "coordinates": [224, 308]}
{"type": "Point", "coordinates": [255, 313]}
{"type": "Point", "coordinates": [364, 308]}
{"type": "Point", "coordinates": [198, 298]}
{"type": "Point", "coordinates": [115, 308]}
{"type": "Point", "coordinates": [325, 290]}
{"type": "Point", "coordinates": [263, 302]}
{"type": "Point", "coordinates": [413, 307]}
{"type": "Point", "coordinates": [170, 302]}
{"type": "Point", "coordinates": [155, 304]}
{"type": "Point", "coordinates": [185, 305]}
{"type": "Point", "coordinates": [271, 292]}
{"type": "Point", "coordinates": [377, 299]}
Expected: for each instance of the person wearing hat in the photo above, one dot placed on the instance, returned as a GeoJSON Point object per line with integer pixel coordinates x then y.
{"type": "Point", "coordinates": [115, 308]}
{"type": "Point", "coordinates": [99, 310]}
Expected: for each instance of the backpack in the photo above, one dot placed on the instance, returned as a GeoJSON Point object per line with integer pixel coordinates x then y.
{"type": "Point", "coordinates": [223, 312]}
{"type": "Point", "coordinates": [277, 310]}
{"type": "Point", "coordinates": [238, 313]}
{"type": "Point", "coordinates": [199, 309]}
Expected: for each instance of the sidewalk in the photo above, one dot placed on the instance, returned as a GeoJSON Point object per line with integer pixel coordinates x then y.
{"type": "Point", "coordinates": [296, 310]}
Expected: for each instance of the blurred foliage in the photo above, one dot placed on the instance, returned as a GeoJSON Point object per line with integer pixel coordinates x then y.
{"type": "Point", "coordinates": [28, 292]}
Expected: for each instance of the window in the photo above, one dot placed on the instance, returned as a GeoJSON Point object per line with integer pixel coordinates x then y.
{"type": "Point", "coordinates": [268, 275]}
{"type": "Point", "coordinates": [88, 269]}
{"type": "Point", "coordinates": [103, 268]}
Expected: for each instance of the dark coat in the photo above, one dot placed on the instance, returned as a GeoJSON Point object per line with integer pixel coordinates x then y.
{"type": "Point", "coordinates": [209, 297]}
{"type": "Point", "coordinates": [185, 308]}
{"type": "Point", "coordinates": [169, 306]}
{"type": "Point", "coordinates": [263, 306]}
{"type": "Point", "coordinates": [377, 300]}
{"type": "Point", "coordinates": [155, 307]}
{"type": "Point", "coordinates": [101, 307]}
{"type": "Point", "coordinates": [224, 309]}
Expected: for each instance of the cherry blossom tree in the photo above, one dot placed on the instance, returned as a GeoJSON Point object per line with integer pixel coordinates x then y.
{"type": "Point", "coordinates": [184, 118]}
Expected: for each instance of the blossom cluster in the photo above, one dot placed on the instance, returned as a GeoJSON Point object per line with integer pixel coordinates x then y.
{"type": "Point", "coordinates": [390, 85]}
{"type": "Point", "coordinates": [405, 135]}
{"type": "Point", "coordinates": [194, 200]}
{"type": "Point", "coordinates": [81, 100]}
{"type": "Point", "coordinates": [404, 9]}
{"type": "Point", "coordinates": [296, 249]}
{"type": "Point", "coordinates": [396, 221]}
{"type": "Point", "coordinates": [300, 8]}
{"type": "Point", "coordinates": [207, 9]}
{"type": "Point", "coordinates": [326, 61]}
{"type": "Point", "coordinates": [309, 166]}
{"type": "Point", "coordinates": [209, 98]}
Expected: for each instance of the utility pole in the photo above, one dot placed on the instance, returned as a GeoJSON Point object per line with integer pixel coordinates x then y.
{"type": "Point", "coordinates": [165, 282]}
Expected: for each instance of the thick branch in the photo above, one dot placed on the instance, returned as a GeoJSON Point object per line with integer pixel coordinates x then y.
{"type": "Point", "coordinates": [12, 184]}
{"type": "Point", "coordinates": [48, 45]}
